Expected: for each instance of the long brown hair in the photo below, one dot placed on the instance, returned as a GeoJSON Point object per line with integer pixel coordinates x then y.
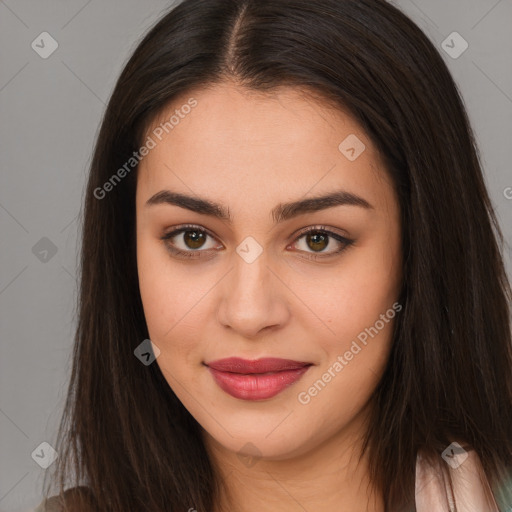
{"type": "Point", "coordinates": [124, 434]}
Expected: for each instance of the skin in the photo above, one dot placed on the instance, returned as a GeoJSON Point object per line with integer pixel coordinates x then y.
{"type": "Point", "coordinates": [249, 152]}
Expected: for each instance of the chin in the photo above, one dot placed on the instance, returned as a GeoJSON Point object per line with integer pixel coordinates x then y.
{"type": "Point", "coordinates": [256, 443]}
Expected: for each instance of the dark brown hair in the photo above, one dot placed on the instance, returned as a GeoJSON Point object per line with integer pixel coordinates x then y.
{"type": "Point", "coordinates": [124, 433]}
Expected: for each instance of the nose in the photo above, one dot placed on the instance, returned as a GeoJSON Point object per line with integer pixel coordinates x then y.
{"type": "Point", "coordinates": [253, 298]}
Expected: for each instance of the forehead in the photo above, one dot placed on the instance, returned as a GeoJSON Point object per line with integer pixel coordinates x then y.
{"type": "Point", "coordinates": [227, 113]}
{"type": "Point", "coordinates": [284, 143]}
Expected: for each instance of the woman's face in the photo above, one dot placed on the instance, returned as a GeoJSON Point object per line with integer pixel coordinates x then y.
{"type": "Point", "coordinates": [266, 268]}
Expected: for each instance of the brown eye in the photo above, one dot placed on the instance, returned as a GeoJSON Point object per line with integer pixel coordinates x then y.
{"type": "Point", "coordinates": [317, 241]}
{"type": "Point", "coordinates": [190, 242]}
{"type": "Point", "coordinates": [194, 239]}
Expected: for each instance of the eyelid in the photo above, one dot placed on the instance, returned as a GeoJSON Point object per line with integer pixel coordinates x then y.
{"type": "Point", "coordinates": [319, 227]}
{"type": "Point", "coordinates": [177, 230]}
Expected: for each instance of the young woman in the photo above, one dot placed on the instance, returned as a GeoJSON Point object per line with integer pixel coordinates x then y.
{"type": "Point", "coordinates": [292, 290]}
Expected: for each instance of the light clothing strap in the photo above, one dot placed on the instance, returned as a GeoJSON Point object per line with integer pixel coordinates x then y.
{"type": "Point", "coordinates": [443, 488]}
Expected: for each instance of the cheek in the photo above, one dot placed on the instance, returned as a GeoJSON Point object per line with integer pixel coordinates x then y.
{"type": "Point", "coordinates": [360, 311]}
{"type": "Point", "coordinates": [355, 295]}
{"type": "Point", "coordinates": [351, 369]}
{"type": "Point", "coordinates": [173, 298]}
{"type": "Point", "coordinates": [163, 293]}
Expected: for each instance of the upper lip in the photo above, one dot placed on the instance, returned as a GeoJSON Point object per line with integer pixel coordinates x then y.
{"type": "Point", "coordinates": [264, 365]}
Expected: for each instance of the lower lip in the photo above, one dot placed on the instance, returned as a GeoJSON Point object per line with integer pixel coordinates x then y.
{"type": "Point", "coordinates": [256, 386]}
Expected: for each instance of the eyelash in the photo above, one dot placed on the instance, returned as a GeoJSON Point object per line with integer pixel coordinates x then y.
{"type": "Point", "coordinates": [312, 256]}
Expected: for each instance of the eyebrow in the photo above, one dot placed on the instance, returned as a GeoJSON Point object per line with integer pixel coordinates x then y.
{"type": "Point", "coordinates": [282, 212]}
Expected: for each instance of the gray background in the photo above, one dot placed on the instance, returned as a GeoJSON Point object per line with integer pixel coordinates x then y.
{"type": "Point", "coordinates": [50, 110]}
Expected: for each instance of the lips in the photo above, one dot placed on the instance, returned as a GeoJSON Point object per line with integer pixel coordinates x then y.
{"type": "Point", "coordinates": [258, 379]}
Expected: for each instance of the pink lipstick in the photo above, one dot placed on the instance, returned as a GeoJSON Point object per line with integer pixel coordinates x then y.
{"type": "Point", "coordinates": [258, 379]}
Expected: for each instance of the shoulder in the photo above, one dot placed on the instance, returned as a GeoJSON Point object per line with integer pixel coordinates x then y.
{"type": "Point", "coordinates": [76, 499]}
